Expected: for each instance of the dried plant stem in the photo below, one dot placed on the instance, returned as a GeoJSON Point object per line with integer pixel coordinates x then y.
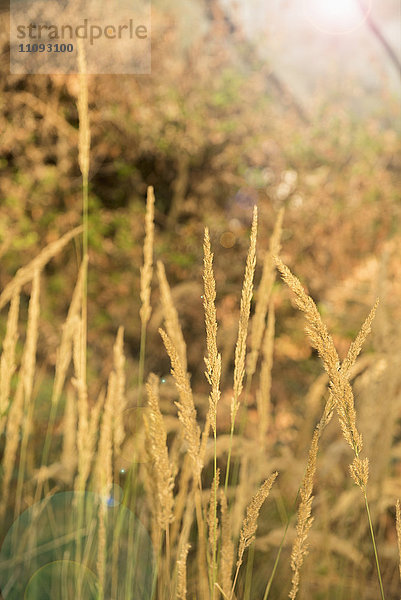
{"type": "Point", "coordinates": [24, 275]}
{"type": "Point", "coordinates": [187, 418]}
{"type": "Point", "coordinates": [202, 553]}
{"type": "Point", "coordinates": [101, 551]}
{"type": "Point", "coordinates": [213, 525]}
{"type": "Point", "coordinates": [227, 547]}
{"type": "Point", "coordinates": [250, 523]}
{"type": "Point", "coordinates": [163, 471]}
{"type": "Point", "coordinates": [213, 374]}
{"type": "Point", "coordinates": [7, 361]}
{"type": "Point", "coordinates": [64, 354]}
{"type": "Point", "coordinates": [84, 454]}
{"type": "Point", "coordinates": [305, 490]}
{"type": "Point", "coordinates": [263, 396]}
{"type": "Point", "coordinates": [27, 375]}
{"type": "Point", "coordinates": [120, 397]}
{"type": "Point", "coordinates": [215, 480]}
{"type": "Point", "coordinates": [340, 388]}
{"type": "Point", "coordinates": [170, 315]}
{"type": "Point", "coordinates": [304, 521]}
{"type": "Point", "coordinates": [263, 297]}
{"type": "Point", "coordinates": [398, 529]}
{"type": "Point", "coordinates": [249, 572]}
{"type": "Point", "coordinates": [83, 159]}
{"type": "Point", "coordinates": [146, 280]}
{"type": "Point", "coordinates": [269, 583]}
{"type": "Point", "coordinates": [182, 574]}
{"type": "Point", "coordinates": [374, 547]}
{"type": "Point", "coordinates": [240, 348]}
{"type": "Point", "coordinates": [141, 366]}
{"type": "Point", "coordinates": [186, 406]}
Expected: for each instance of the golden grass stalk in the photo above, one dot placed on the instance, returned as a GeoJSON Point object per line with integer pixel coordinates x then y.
{"type": "Point", "coordinates": [147, 268]}
{"type": "Point", "coordinates": [186, 406]}
{"type": "Point", "coordinates": [316, 329]}
{"type": "Point", "coordinates": [181, 498]}
{"type": "Point", "coordinates": [240, 348]}
{"type": "Point", "coordinates": [304, 520]}
{"type": "Point", "coordinates": [213, 375]}
{"type": "Point", "coordinates": [227, 547]}
{"type": "Point", "coordinates": [263, 296]}
{"type": "Point", "coordinates": [150, 486]}
{"type": "Point", "coordinates": [356, 345]}
{"type": "Point", "coordinates": [101, 547]}
{"type": "Point", "coordinates": [146, 280]}
{"type": "Point", "coordinates": [120, 400]}
{"type": "Point", "coordinates": [84, 125]}
{"type": "Point", "coordinates": [24, 275]}
{"type": "Point", "coordinates": [191, 430]}
{"type": "Point", "coordinates": [213, 358]}
{"type": "Point", "coordinates": [187, 521]}
{"type": "Point", "coordinates": [31, 338]}
{"type": "Point", "coordinates": [159, 452]}
{"type": "Point", "coordinates": [322, 341]}
{"type": "Point", "coordinates": [64, 353]}
{"type": "Point", "coordinates": [21, 404]}
{"type": "Point", "coordinates": [246, 297]}
{"type": "Point", "coordinates": [83, 407]}
{"type": "Point", "coordinates": [263, 394]}
{"type": "Point", "coordinates": [182, 574]}
{"type": "Point", "coordinates": [104, 476]}
{"type": "Point", "coordinates": [170, 314]}
{"type": "Point", "coordinates": [205, 438]}
{"type": "Point", "coordinates": [250, 523]}
{"type": "Point", "coordinates": [213, 524]}
{"type": "Point", "coordinates": [340, 388]}
{"type": "Point", "coordinates": [304, 510]}
{"type": "Point", "coordinates": [104, 463]}
{"type": "Point", "coordinates": [7, 361]}
{"type": "Point", "coordinates": [14, 421]}
{"type": "Point", "coordinates": [83, 160]}
{"type": "Point", "coordinates": [27, 374]}
{"type": "Point", "coordinates": [69, 451]}
{"type": "Point", "coordinates": [241, 492]}
{"type": "Point", "coordinates": [398, 527]}
{"type": "Point", "coordinates": [87, 431]}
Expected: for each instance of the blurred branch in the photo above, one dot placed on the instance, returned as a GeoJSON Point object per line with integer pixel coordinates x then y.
{"type": "Point", "coordinates": [375, 29]}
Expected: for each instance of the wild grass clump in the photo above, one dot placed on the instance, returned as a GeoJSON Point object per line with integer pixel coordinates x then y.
{"type": "Point", "coordinates": [150, 518]}
{"type": "Point", "coordinates": [191, 527]}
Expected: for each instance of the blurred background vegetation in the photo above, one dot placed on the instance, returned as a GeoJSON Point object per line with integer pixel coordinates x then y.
{"type": "Point", "coordinates": [245, 105]}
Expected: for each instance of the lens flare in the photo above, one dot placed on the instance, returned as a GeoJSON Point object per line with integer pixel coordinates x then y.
{"type": "Point", "coordinates": [336, 17]}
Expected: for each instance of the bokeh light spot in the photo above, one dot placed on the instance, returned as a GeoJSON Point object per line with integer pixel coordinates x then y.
{"type": "Point", "coordinates": [227, 239]}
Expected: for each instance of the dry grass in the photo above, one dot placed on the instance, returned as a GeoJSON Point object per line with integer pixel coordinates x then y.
{"type": "Point", "coordinates": [246, 297]}
{"type": "Point", "coordinates": [213, 358]}
{"type": "Point", "coordinates": [342, 398]}
{"type": "Point", "coordinates": [94, 436]}
{"type": "Point", "coordinates": [170, 314]}
{"type": "Point", "coordinates": [172, 479]}
{"type": "Point", "coordinates": [186, 406]}
{"type": "Point", "coordinates": [160, 458]}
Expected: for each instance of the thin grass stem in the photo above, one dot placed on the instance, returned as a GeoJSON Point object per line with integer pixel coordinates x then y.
{"type": "Point", "coordinates": [374, 547]}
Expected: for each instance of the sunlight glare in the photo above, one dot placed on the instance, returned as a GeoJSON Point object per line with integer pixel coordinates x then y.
{"type": "Point", "coordinates": [335, 16]}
